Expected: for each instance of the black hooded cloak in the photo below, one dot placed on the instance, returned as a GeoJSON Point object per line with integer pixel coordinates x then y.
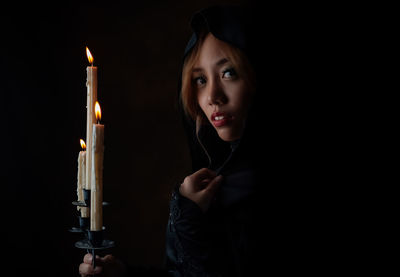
{"type": "Point", "coordinates": [223, 241]}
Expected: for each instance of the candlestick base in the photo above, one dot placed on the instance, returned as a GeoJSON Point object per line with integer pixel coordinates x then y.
{"type": "Point", "coordinates": [94, 242]}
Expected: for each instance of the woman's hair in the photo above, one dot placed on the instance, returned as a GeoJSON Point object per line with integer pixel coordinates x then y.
{"type": "Point", "coordinates": [188, 95]}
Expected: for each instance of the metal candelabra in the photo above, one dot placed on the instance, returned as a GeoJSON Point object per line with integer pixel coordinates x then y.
{"type": "Point", "coordinates": [93, 240]}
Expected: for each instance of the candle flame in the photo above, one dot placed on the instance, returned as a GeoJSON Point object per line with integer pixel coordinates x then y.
{"type": "Point", "coordinates": [89, 55]}
{"type": "Point", "coordinates": [83, 144]}
{"type": "Point", "coordinates": [97, 111]}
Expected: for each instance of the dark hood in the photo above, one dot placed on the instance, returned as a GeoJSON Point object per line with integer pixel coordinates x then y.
{"type": "Point", "coordinates": [234, 25]}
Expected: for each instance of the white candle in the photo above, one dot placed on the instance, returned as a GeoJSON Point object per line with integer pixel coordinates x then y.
{"type": "Point", "coordinates": [96, 193]}
{"type": "Point", "coordinates": [82, 180]}
{"type": "Point", "coordinates": [91, 84]}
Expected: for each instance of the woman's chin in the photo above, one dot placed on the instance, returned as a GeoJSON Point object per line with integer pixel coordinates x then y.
{"type": "Point", "coordinates": [227, 135]}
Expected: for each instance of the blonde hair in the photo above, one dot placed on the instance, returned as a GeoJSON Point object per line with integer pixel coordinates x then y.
{"type": "Point", "coordinates": [240, 63]}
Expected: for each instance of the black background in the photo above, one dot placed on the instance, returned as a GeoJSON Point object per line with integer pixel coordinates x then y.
{"type": "Point", "coordinates": [137, 47]}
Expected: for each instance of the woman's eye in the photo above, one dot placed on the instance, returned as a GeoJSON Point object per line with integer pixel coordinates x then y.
{"type": "Point", "coordinates": [229, 73]}
{"type": "Point", "coordinates": [199, 81]}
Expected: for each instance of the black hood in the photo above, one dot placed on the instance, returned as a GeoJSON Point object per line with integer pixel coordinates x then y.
{"type": "Point", "coordinates": [234, 25]}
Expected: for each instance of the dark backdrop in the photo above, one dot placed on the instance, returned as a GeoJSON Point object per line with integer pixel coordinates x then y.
{"type": "Point", "coordinates": [137, 48]}
{"type": "Point", "coordinates": [312, 127]}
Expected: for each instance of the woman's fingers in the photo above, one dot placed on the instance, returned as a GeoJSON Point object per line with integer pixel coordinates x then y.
{"type": "Point", "coordinates": [200, 187]}
{"type": "Point", "coordinates": [87, 269]}
{"type": "Point", "coordinates": [87, 259]}
{"type": "Point", "coordinates": [199, 180]}
{"type": "Point", "coordinates": [108, 258]}
{"type": "Point", "coordinates": [206, 196]}
{"type": "Point", "coordinates": [202, 174]}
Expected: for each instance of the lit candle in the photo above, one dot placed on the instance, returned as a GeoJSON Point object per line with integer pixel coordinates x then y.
{"type": "Point", "coordinates": [91, 83]}
{"type": "Point", "coordinates": [82, 179]}
{"type": "Point", "coordinates": [96, 193]}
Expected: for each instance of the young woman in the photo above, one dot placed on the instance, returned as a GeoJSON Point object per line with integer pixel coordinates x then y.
{"type": "Point", "coordinates": [214, 225]}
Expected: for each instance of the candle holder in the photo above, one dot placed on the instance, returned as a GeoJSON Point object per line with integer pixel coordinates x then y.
{"type": "Point", "coordinates": [93, 240]}
{"type": "Point", "coordinates": [84, 222]}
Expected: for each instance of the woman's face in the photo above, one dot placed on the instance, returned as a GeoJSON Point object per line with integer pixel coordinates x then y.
{"type": "Point", "coordinates": [222, 94]}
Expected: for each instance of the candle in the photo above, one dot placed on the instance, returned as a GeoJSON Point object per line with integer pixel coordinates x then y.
{"type": "Point", "coordinates": [82, 179]}
{"type": "Point", "coordinates": [91, 83]}
{"type": "Point", "coordinates": [96, 193]}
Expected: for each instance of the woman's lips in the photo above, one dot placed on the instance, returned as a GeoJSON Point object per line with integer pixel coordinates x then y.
{"type": "Point", "coordinates": [220, 119]}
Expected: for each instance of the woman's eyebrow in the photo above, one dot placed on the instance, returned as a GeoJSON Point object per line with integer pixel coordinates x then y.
{"type": "Point", "coordinates": [197, 69]}
{"type": "Point", "coordinates": [221, 61]}
{"type": "Point", "coordinates": [218, 63]}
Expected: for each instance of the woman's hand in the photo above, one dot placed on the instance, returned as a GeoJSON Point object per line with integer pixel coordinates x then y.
{"type": "Point", "coordinates": [200, 187]}
{"type": "Point", "coordinates": [105, 266]}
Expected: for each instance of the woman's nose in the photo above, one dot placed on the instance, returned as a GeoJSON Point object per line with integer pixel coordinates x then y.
{"type": "Point", "coordinates": [216, 94]}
